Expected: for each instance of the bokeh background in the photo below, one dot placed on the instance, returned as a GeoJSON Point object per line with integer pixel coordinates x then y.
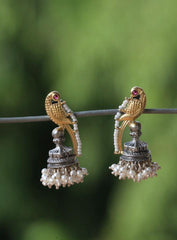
{"type": "Point", "coordinates": [92, 52]}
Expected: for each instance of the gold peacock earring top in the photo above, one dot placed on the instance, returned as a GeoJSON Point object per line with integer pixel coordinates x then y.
{"type": "Point", "coordinates": [132, 108]}
{"type": "Point", "coordinates": [135, 160]}
{"type": "Point", "coordinates": [62, 115]}
{"type": "Point", "coordinates": [63, 167]}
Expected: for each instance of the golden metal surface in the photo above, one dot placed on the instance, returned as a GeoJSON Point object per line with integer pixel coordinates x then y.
{"type": "Point", "coordinates": [135, 107]}
{"type": "Point", "coordinates": [58, 115]}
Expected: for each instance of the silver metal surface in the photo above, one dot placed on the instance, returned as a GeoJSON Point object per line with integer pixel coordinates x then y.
{"type": "Point", "coordinates": [135, 162]}
{"type": "Point", "coordinates": [60, 156]}
{"type": "Point", "coordinates": [63, 168]}
{"type": "Point", "coordinates": [80, 114]}
{"type": "Point", "coordinates": [135, 150]}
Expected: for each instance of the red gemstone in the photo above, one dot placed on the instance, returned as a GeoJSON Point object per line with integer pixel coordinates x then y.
{"type": "Point", "coordinates": [134, 92]}
{"type": "Point", "coordinates": [56, 97]}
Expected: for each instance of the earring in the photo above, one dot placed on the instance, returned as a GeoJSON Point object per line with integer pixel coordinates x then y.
{"type": "Point", "coordinates": [135, 160]}
{"type": "Point", "coordinates": [63, 168]}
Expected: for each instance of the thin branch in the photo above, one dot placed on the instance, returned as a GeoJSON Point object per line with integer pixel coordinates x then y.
{"type": "Point", "coordinates": [83, 114]}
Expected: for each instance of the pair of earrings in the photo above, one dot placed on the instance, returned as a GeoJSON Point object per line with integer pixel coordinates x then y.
{"type": "Point", "coordinates": [63, 168]}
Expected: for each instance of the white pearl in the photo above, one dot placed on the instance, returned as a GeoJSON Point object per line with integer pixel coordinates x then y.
{"type": "Point", "coordinates": [79, 173]}
{"type": "Point", "coordinates": [44, 170]}
{"type": "Point", "coordinates": [132, 173]}
{"type": "Point", "coordinates": [44, 178]}
{"type": "Point", "coordinates": [122, 175]}
{"type": "Point", "coordinates": [84, 171]}
{"type": "Point", "coordinates": [149, 170]}
{"type": "Point", "coordinates": [125, 102]}
{"type": "Point", "coordinates": [50, 181]}
{"type": "Point", "coordinates": [139, 177]}
{"type": "Point", "coordinates": [75, 127]}
{"type": "Point", "coordinates": [116, 168]}
{"type": "Point", "coordinates": [63, 177]}
{"type": "Point", "coordinates": [73, 173]}
{"type": "Point", "coordinates": [70, 181]}
{"type": "Point", "coordinates": [122, 169]}
{"type": "Point", "coordinates": [57, 182]}
{"type": "Point", "coordinates": [53, 176]}
{"type": "Point", "coordinates": [64, 180]}
{"type": "Point", "coordinates": [113, 166]}
{"type": "Point", "coordinates": [57, 186]}
{"type": "Point", "coordinates": [58, 175]}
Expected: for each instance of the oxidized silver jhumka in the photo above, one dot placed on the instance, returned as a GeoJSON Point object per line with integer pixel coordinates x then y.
{"type": "Point", "coordinates": [135, 160]}
{"type": "Point", "coordinates": [63, 168]}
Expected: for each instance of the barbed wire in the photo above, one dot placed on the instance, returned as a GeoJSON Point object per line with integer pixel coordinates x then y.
{"type": "Point", "coordinates": [90, 113]}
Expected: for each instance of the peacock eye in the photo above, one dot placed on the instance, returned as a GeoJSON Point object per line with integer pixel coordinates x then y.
{"type": "Point", "coordinates": [55, 97]}
{"type": "Point", "coordinates": [134, 92]}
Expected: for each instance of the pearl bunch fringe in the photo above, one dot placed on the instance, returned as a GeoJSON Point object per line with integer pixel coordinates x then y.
{"type": "Point", "coordinates": [65, 176]}
{"type": "Point", "coordinates": [116, 126]}
{"type": "Point", "coordinates": [135, 170]}
{"type": "Point", "coordinates": [75, 127]}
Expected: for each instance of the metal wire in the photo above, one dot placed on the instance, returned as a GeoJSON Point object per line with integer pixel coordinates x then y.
{"type": "Point", "coordinates": [90, 113]}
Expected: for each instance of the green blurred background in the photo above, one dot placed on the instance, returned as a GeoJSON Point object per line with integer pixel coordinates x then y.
{"type": "Point", "coordinates": [92, 52]}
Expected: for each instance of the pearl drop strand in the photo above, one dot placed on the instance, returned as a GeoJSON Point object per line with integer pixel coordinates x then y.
{"type": "Point", "coordinates": [116, 126]}
{"type": "Point", "coordinates": [64, 176]}
{"type": "Point", "coordinates": [134, 170]}
{"type": "Point", "coordinates": [75, 127]}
